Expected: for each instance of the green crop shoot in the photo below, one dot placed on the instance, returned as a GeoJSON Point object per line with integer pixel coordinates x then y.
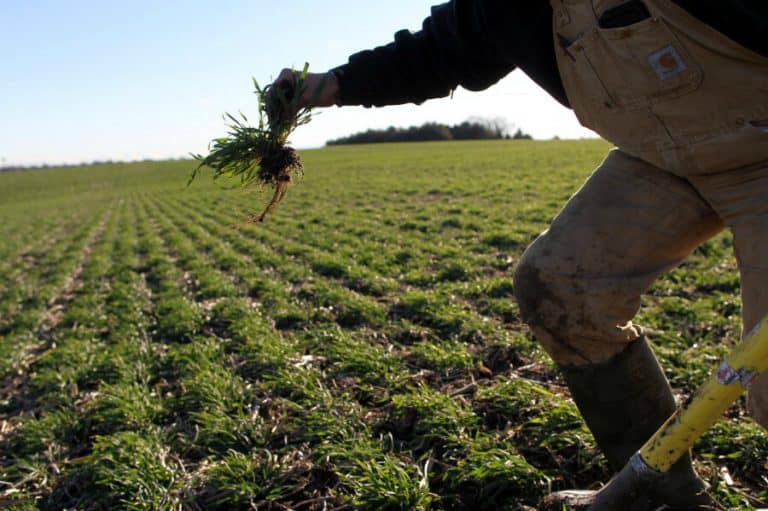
{"type": "Point", "coordinates": [260, 154]}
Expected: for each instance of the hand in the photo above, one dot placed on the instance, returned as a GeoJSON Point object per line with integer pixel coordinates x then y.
{"type": "Point", "coordinates": [320, 89]}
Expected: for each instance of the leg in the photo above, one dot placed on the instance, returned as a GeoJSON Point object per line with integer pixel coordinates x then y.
{"type": "Point", "coordinates": [579, 285]}
{"type": "Point", "coordinates": [740, 198]}
{"type": "Point", "coordinates": [751, 243]}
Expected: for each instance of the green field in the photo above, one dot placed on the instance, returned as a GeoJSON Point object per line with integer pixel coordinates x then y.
{"type": "Point", "coordinates": [361, 349]}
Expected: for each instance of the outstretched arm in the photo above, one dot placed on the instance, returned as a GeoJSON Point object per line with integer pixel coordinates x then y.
{"type": "Point", "coordinates": [457, 45]}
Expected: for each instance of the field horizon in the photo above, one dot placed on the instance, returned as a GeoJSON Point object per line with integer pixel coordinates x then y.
{"type": "Point", "coordinates": [360, 349]}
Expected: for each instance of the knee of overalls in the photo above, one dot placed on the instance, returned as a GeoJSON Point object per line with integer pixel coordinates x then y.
{"type": "Point", "coordinates": [577, 317]}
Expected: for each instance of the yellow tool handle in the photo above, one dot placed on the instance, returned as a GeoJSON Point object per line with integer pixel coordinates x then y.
{"type": "Point", "coordinates": [673, 439]}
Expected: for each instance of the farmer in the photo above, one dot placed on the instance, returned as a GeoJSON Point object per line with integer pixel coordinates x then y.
{"type": "Point", "coordinates": [681, 88]}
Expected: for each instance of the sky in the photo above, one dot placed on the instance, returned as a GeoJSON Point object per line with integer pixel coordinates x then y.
{"type": "Point", "coordinates": [108, 80]}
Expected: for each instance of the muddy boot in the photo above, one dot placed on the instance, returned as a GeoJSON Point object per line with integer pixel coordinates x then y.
{"type": "Point", "coordinates": [624, 401]}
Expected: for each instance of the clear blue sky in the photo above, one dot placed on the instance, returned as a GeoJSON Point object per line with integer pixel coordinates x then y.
{"type": "Point", "coordinates": [86, 80]}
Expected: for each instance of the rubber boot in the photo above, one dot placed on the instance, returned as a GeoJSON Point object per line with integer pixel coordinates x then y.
{"type": "Point", "coordinates": [624, 401]}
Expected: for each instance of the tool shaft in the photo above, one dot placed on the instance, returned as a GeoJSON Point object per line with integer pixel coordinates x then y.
{"type": "Point", "coordinates": [676, 436]}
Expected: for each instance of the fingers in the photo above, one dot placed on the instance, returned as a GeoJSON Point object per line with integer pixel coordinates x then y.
{"type": "Point", "coordinates": [318, 89]}
{"type": "Point", "coordinates": [286, 82]}
{"type": "Point", "coordinates": [286, 79]}
{"type": "Point", "coordinates": [286, 75]}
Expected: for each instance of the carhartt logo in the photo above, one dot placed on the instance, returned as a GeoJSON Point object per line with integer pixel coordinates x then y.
{"type": "Point", "coordinates": [667, 62]}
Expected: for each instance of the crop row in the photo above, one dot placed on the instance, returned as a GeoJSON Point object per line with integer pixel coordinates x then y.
{"type": "Point", "coordinates": [362, 349]}
{"type": "Point", "coordinates": [38, 297]}
{"type": "Point", "coordinates": [158, 368]}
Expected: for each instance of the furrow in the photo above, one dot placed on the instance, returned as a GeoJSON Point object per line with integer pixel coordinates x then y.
{"type": "Point", "coordinates": [18, 267]}
{"type": "Point", "coordinates": [319, 263]}
{"type": "Point", "coordinates": [24, 341]}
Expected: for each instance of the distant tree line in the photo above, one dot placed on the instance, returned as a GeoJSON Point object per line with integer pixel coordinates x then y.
{"type": "Point", "coordinates": [472, 129]}
{"type": "Point", "coordinates": [56, 166]}
{"type": "Point", "coordinates": [53, 166]}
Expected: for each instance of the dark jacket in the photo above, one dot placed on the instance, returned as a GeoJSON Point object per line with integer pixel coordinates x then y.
{"type": "Point", "coordinates": [475, 43]}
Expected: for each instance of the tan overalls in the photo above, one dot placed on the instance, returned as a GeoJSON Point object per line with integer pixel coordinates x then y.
{"type": "Point", "coordinates": [688, 111]}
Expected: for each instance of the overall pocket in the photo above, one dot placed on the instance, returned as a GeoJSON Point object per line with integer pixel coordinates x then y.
{"type": "Point", "coordinates": [641, 64]}
{"type": "Point", "coordinates": [586, 93]}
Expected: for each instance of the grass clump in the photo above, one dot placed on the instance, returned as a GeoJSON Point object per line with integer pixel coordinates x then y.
{"type": "Point", "coordinates": [424, 418]}
{"type": "Point", "coordinates": [442, 356]}
{"type": "Point", "coordinates": [372, 476]}
{"type": "Point", "coordinates": [515, 400]}
{"type": "Point", "coordinates": [491, 474]}
{"type": "Point", "coordinates": [388, 483]}
{"type": "Point", "coordinates": [124, 407]}
{"type": "Point", "coordinates": [132, 470]}
{"type": "Point", "coordinates": [260, 154]}
{"type": "Point", "coordinates": [177, 319]}
{"type": "Point", "coordinates": [256, 479]}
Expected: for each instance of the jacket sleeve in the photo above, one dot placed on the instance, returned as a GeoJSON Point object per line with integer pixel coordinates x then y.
{"type": "Point", "coordinates": [453, 48]}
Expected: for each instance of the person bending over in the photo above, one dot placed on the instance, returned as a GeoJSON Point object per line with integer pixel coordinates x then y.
{"type": "Point", "coordinates": [681, 88]}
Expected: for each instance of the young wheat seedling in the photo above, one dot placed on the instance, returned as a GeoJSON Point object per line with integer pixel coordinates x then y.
{"type": "Point", "coordinates": [260, 154]}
